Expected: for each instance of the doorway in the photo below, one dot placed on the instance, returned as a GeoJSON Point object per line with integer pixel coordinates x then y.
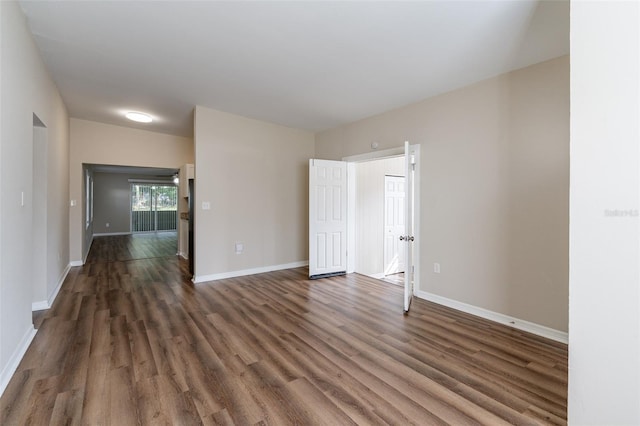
{"type": "Point", "coordinates": [345, 226]}
{"type": "Point", "coordinates": [154, 207]}
{"type": "Point", "coordinates": [374, 242]}
{"type": "Point", "coordinates": [411, 156]}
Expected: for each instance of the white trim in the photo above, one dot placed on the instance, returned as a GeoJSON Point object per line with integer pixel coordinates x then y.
{"type": "Point", "coordinates": [40, 305]}
{"type": "Point", "coordinates": [244, 272]}
{"type": "Point", "coordinates": [183, 255]}
{"type": "Point", "coordinates": [351, 217]}
{"type": "Point", "coordinates": [417, 173]}
{"type": "Point", "coordinates": [54, 293]}
{"type": "Point", "coordinates": [12, 365]}
{"type": "Point", "coordinates": [168, 182]}
{"type": "Point", "coordinates": [76, 263]}
{"type": "Point", "coordinates": [46, 304]}
{"type": "Point", "coordinates": [375, 155]}
{"type": "Point", "coordinates": [379, 276]}
{"type": "Point", "coordinates": [537, 329]}
{"type": "Point", "coordinates": [84, 257]}
{"type": "Point", "coordinates": [112, 233]}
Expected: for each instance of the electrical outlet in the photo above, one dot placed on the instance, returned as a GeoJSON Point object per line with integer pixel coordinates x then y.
{"type": "Point", "coordinates": [239, 248]}
{"type": "Point", "coordinates": [206, 205]}
{"type": "Point", "coordinates": [107, 225]}
{"type": "Point", "coordinates": [436, 268]}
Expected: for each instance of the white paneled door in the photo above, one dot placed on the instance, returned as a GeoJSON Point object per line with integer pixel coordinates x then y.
{"type": "Point", "coordinates": [327, 218]}
{"type": "Point", "coordinates": [411, 274]}
{"type": "Point", "coordinates": [394, 225]}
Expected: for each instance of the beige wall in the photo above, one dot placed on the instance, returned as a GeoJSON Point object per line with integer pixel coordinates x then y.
{"type": "Point", "coordinates": [27, 89]}
{"type": "Point", "coordinates": [111, 203]}
{"type": "Point", "coordinates": [97, 143]}
{"type": "Point", "coordinates": [370, 212]}
{"type": "Point", "coordinates": [494, 188]}
{"type": "Point", "coordinates": [255, 175]}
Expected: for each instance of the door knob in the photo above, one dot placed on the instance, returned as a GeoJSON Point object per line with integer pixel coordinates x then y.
{"type": "Point", "coordinates": [401, 237]}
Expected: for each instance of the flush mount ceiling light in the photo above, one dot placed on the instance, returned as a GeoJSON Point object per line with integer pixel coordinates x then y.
{"type": "Point", "coordinates": [139, 117]}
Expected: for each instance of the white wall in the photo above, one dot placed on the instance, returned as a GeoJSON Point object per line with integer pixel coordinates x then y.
{"type": "Point", "coordinates": [39, 218]}
{"type": "Point", "coordinates": [97, 143]}
{"type": "Point", "coordinates": [370, 212]}
{"type": "Point", "coordinates": [255, 175]}
{"type": "Point", "coordinates": [5, 369]}
{"type": "Point", "coordinates": [494, 189]}
{"type": "Point", "coordinates": [27, 89]}
{"type": "Point", "coordinates": [604, 306]}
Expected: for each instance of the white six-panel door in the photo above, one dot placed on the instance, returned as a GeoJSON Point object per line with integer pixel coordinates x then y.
{"type": "Point", "coordinates": [394, 225]}
{"type": "Point", "coordinates": [327, 218]}
{"type": "Point", "coordinates": [411, 211]}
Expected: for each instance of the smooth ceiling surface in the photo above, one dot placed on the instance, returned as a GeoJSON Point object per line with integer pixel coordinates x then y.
{"type": "Point", "coordinates": [309, 65]}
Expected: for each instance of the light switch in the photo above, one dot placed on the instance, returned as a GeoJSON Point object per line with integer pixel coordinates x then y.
{"type": "Point", "coordinates": [206, 205]}
{"type": "Point", "coordinates": [73, 203]}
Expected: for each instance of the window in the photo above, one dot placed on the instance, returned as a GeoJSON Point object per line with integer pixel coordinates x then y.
{"type": "Point", "coordinates": [154, 207]}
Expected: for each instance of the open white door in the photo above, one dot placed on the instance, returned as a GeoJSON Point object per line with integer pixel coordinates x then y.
{"type": "Point", "coordinates": [327, 218]}
{"type": "Point", "coordinates": [408, 239]}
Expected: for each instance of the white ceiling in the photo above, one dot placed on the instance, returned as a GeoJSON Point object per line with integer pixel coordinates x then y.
{"type": "Point", "coordinates": [310, 65]}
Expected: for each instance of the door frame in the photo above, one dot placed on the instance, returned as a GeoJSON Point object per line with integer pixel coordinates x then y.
{"type": "Point", "coordinates": [351, 203]}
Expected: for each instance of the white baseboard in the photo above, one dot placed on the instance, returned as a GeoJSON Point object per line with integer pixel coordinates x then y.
{"type": "Point", "coordinates": [86, 254]}
{"type": "Point", "coordinates": [16, 357]}
{"type": "Point", "coordinates": [379, 276]}
{"type": "Point", "coordinates": [106, 234]}
{"type": "Point", "coordinates": [63, 276]}
{"type": "Point", "coordinates": [537, 329]}
{"type": "Point", "coordinates": [76, 263]}
{"type": "Point", "coordinates": [183, 255]}
{"type": "Point", "coordinates": [244, 272]}
{"type": "Point", "coordinates": [40, 305]}
{"type": "Point", "coordinates": [46, 304]}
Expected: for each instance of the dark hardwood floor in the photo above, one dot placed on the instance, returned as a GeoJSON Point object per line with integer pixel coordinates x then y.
{"type": "Point", "coordinates": [130, 340]}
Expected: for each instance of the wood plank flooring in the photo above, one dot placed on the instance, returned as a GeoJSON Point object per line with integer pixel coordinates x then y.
{"type": "Point", "coordinates": [131, 341]}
